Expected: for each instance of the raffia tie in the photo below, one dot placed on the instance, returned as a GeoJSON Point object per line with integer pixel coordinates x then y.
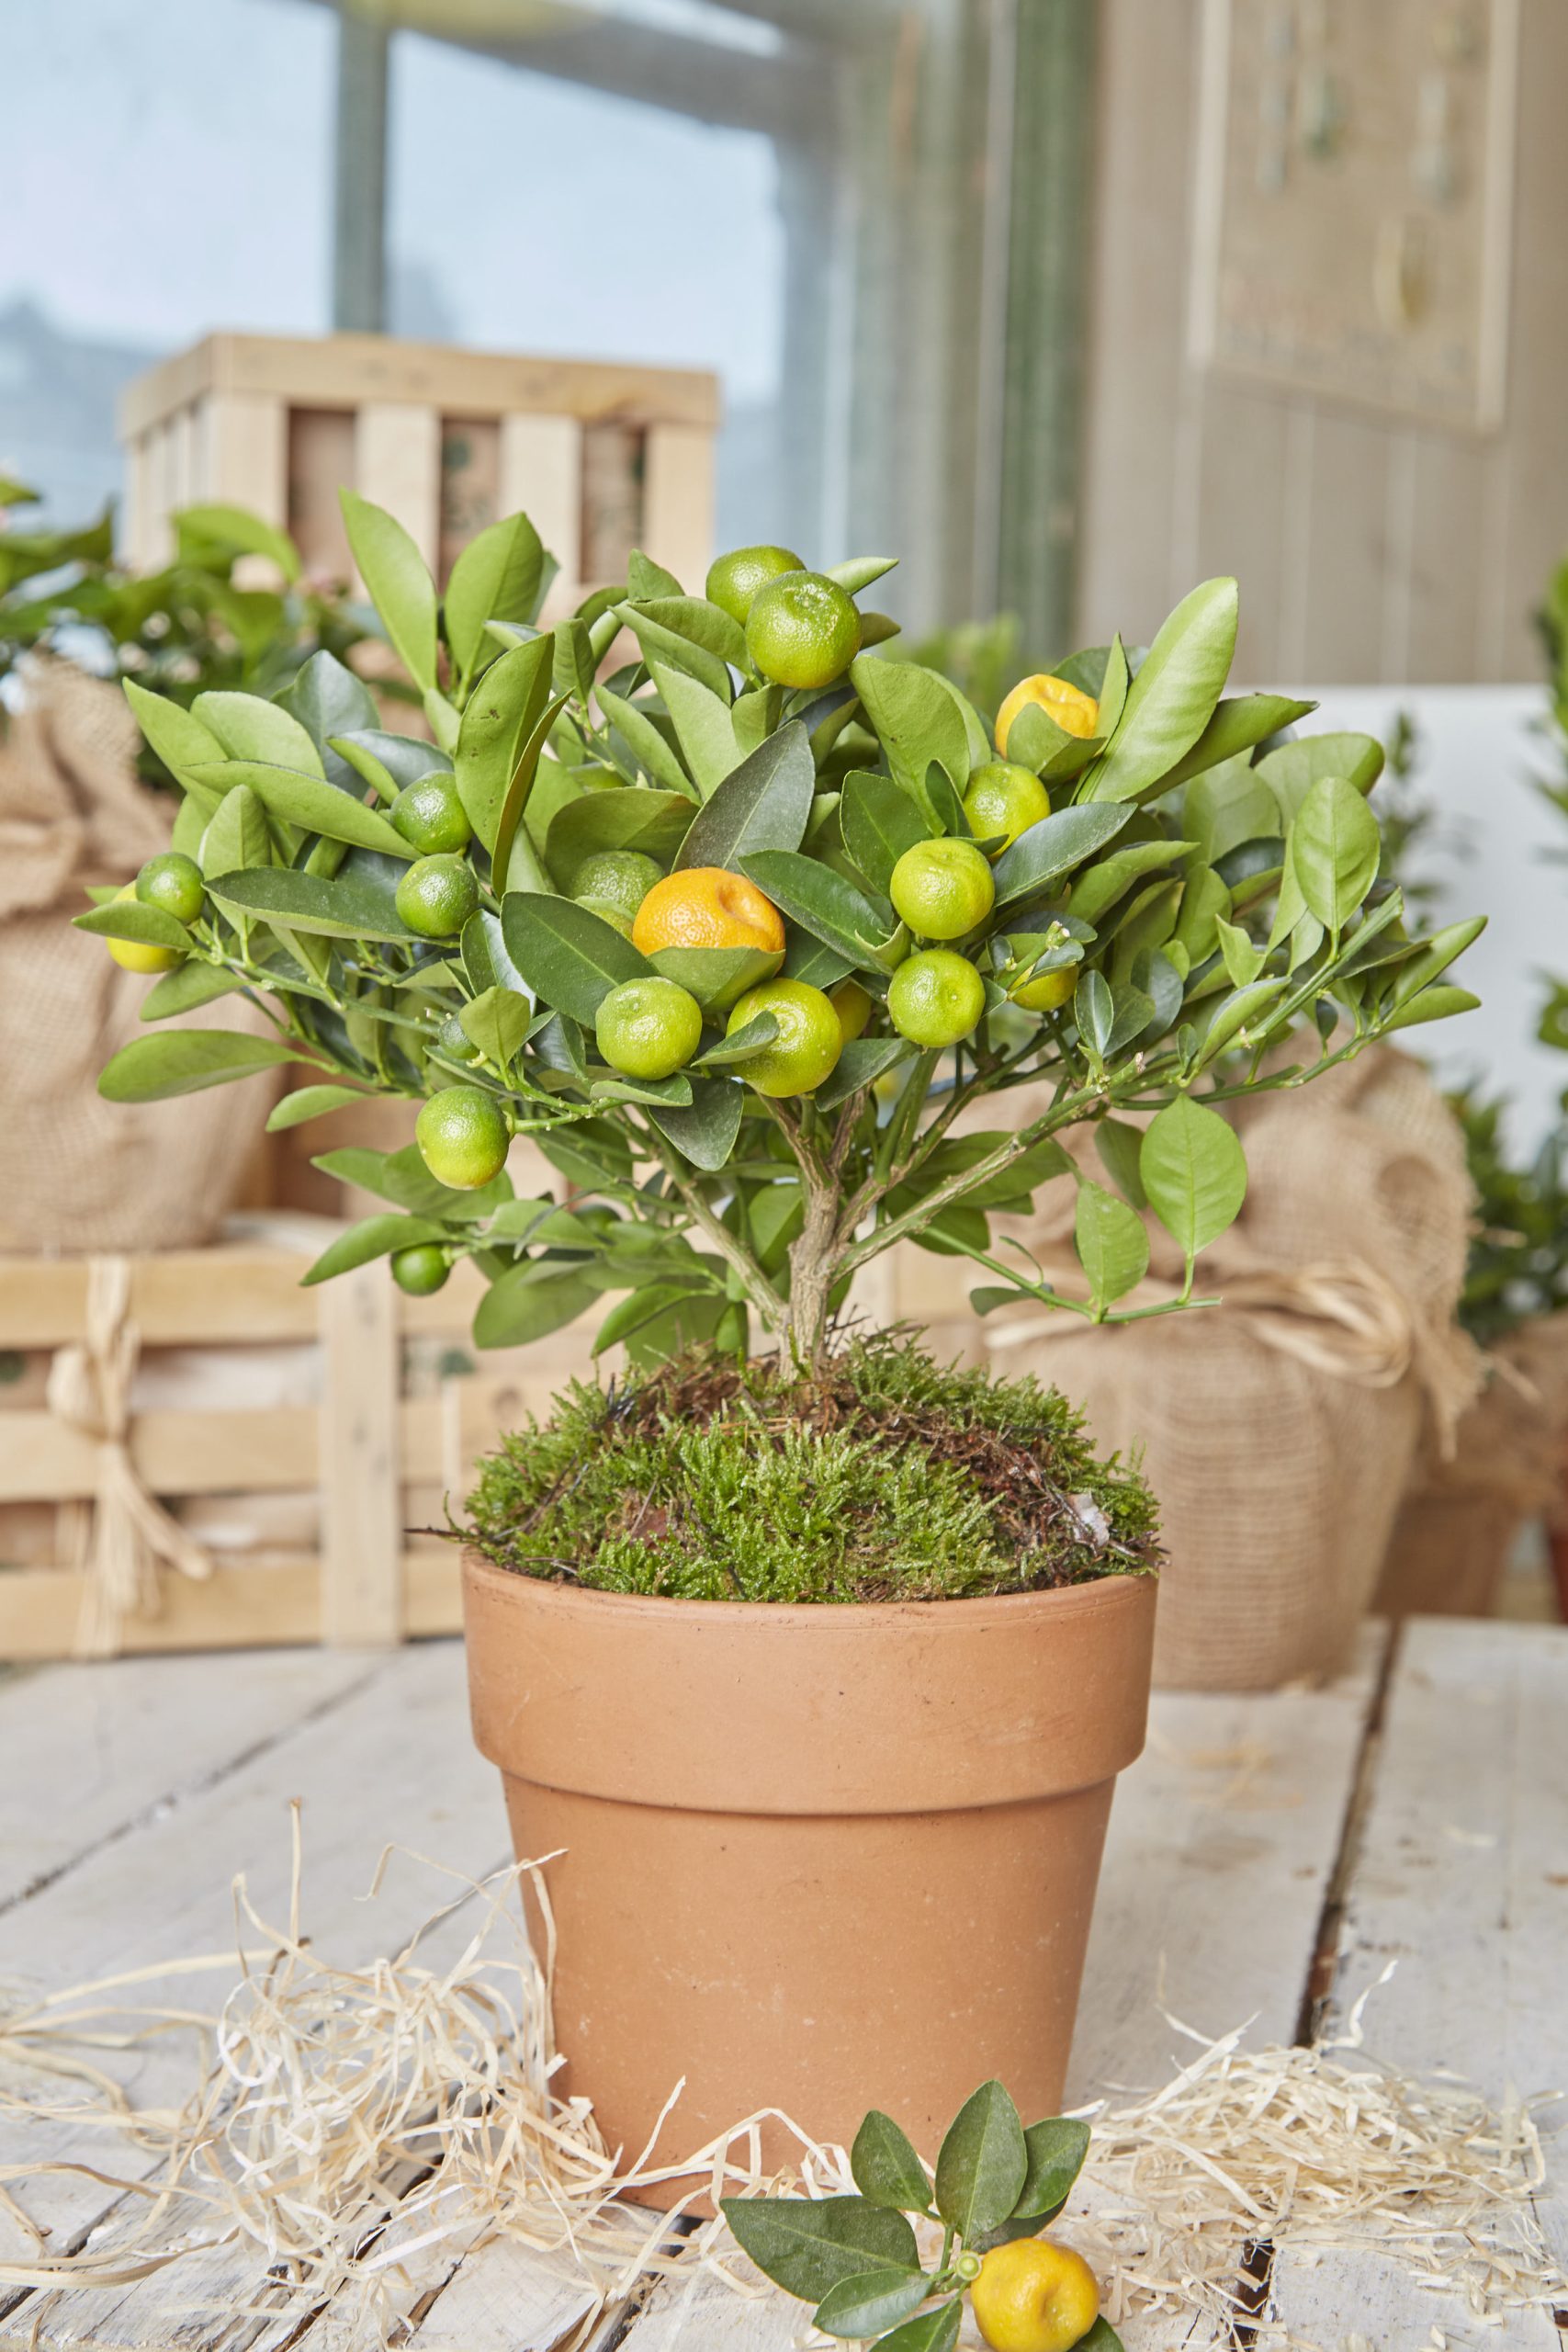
{"type": "Point", "coordinates": [132, 1535]}
{"type": "Point", "coordinates": [1340, 1315]}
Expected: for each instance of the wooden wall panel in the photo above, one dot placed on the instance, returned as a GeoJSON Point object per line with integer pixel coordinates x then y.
{"type": "Point", "coordinates": [1368, 548]}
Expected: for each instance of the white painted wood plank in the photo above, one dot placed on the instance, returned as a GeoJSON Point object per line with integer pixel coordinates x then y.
{"type": "Point", "coordinates": [394, 1760]}
{"type": "Point", "coordinates": [361, 1583]}
{"type": "Point", "coordinates": [1462, 1875]}
{"type": "Point", "coordinates": [541, 476]}
{"type": "Point", "coordinates": [397, 464]}
{"type": "Point", "coordinates": [678, 500]}
{"type": "Point", "coordinates": [89, 1749]}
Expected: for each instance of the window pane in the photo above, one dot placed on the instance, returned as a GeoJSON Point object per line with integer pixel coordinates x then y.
{"type": "Point", "coordinates": [177, 161]}
{"type": "Point", "coordinates": [528, 213]}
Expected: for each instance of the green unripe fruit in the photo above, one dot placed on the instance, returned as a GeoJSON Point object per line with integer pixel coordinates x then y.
{"type": "Point", "coordinates": [649, 1028]}
{"type": "Point", "coordinates": [437, 895]}
{"type": "Point", "coordinates": [430, 816]}
{"type": "Point", "coordinates": [810, 1037]}
{"type": "Point", "coordinates": [616, 917]}
{"type": "Point", "coordinates": [173, 883]}
{"type": "Point", "coordinates": [462, 1136]}
{"type": "Point", "coordinates": [420, 1269]}
{"type": "Point", "coordinates": [734, 579]}
{"type": "Point", "coordinates": [1002, 801]}
{"type": "Point", "coordinates": [623, 877]}
{"type": "Point", "coordinates": [455, 1040]}
{"type": "Point", "coordinates": [943, 888]}
{"type": "Point", "coordinates": [936, 997]}
{"type": "Point", "coordinates": [803, 631]}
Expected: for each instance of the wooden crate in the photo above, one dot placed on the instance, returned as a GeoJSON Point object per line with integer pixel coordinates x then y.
{"type": "Point", "coordinates": [603, 459]}
{"type": "Point", "coordinates": [380, 1452]}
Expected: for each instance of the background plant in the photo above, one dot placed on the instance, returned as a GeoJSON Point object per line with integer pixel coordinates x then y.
{"type": "Point", "coordinates": [857, 2259]}
{"type": "Point", "coordinates": [1192, 898]}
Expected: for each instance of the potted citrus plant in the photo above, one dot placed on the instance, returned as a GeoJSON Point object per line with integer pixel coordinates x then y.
{"type": "Point", "coordinates": [817, 1662]}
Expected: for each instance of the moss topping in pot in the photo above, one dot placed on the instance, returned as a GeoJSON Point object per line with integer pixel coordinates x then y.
{"type": "Point", "coordinates": [882, 1476]}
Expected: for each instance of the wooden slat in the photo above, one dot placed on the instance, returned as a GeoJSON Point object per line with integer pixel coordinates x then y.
{"type": "Point", "coordinates": [346, 369]}
{"type": "Point", "coordinates": [541, 475]}
{"type": "Point", "coordinates": [1462, 1875]}
{"type": "Point", "coordinates": [361, 1545]}
{"type": "Point", "coordinates": [397, 464]}
{"type": "Point", "coordinates": [179, 1298]}
{"type": "Point", "coordinates": [239, 1607]}
{"type": "Point", "coordinates": [270, 1449]}
{"type": "Point", "coordinates": [678, 501]}
{"type": "Point", "coordinates": [247, 457]}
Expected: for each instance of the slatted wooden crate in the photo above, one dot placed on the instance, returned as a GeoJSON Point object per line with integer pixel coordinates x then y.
{"type": "Point", "coordinates": [602, 457]}
{"type": "Point", "coordinates": [381, 1413]}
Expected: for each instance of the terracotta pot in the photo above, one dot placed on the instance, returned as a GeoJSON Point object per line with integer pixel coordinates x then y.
{"type": "Point", "coordinates": [813, 1857]}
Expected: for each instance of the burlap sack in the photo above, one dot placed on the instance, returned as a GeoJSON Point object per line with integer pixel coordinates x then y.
{"type": "Point", "coordinates": [1458, 1524]}
{"type": "Point", "coordinates": [77, 1173]}
{"type": "Point", "coordinates": [1279, 1428]}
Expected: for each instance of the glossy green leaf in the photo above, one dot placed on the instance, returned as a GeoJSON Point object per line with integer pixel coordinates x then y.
{"type": "Point", "coordinates": [397, 582]}
{"type": "Point", "coordinates": [704, 1130]}
{"type": "Point", "coordinates": [885, 2166]}
{"type": "Point", "coordinates": [1101, 2337]}
{"type": "Point", "coordinates": [702, 725]}
{"type": "Point", "coordinates": [236, 836]}
{"type": "Point", "coordinates": [251, 728]}
{"type": "Point", "coordinates": [628, 815]}
{"type": "Point", "coordinates": [915, 719]}
{"type": "Point", "coordinates": [513, 864]}
{"type": "Point", "coordinates": [743, 1045]}
{"type": "Point", "coordinates": [1056, 2149]}
{"type": "Point", "coordinates": [1194, 1173]}
{"type": "Point", "coordinates": [497, 724]}
{"type": "Point", "coordinates": [1206, 900]}
{"type": "Point", "coordinates": [184, 1061]}
{"type": "Point", "coordinates": [1101, 884]}
{"type": "Point", "coordinates": [671, 650]}
{"type": "Point", "coordinates": [934, 2331]}
{"type": "Point", "coordinates": [529, 1301]}
{"type": "Point", "coordinates": [1041, 857]}
{"type": "Point", "coordinates": [1119, 1146]}
{"type": "Point", "coordinates": [715, 976]}
{"type": "Point", "coordinates": [822, 902]}
{"type": "Point", "coordinates": [349, 906]}
{"type": "Point", "coordinates": [212, 530]}
{"type": "Point", "coordinates": [1290, 772]}
{"type": "Point", "coordinates": [862, 1063]}
{"type": "Point", "coordinates": [1240, 1018]}
{"type": "Point", "coordinates": [128, 919]}
{"type": "Point", "coordinates": [186, 987]}
{"type": "Point", "coordinates": [649, 1305]}
{"type": "Point", "coordinates": [388, 763]}
{"type": "Point", "coordinates": [982, 2163]}
{"type": "Point", "coordinates": [879, 820]}
{"type": "Point", "coordinates": [1173, 698]}
{"type": "Point", "coordinates": [1237, 725]}
{"type": "Point", "coordinates": [180, 741]}
{"type": "Point", "coordinates": [485, 958]}
{"type": "Point", "coordinates": [858, 572]}
{"type": "Point", "coordinates": [311, 804]}
{"type": "Point", "coordinates": [1243, 958]}
{"type": "Point", "coordinates": [372, 1237]}
{"type": "Point", "coordinates": [762, 804]}
{"type": "Point", "coordinates": [865, 2304]}
{"type": "Point", "coordinates": [702, 624]}
{"type": "Point", "coordinates": [1229, 806]}
{"type": "Point", "coordinates": [496, 577]}
{"type": "Point", "coordinates": [328, 699]}
{"type": "Point", "coordinates": [496, 1021]}
{"type": "Point", "coordinates": [806, 2245]}
{"type": "Point", "coordinates": [1434, 957]}
{"type": "Point", "coordinates": [1110, 1243]}
{"type": "Point", "coordinates": [1439, 1003]}
{"type": "Point", "coordinates": [312, 1102]}
{"type": "Point", "coordinates": [402, 1177]}
{"type": "Point", "coordinates": [654, 754]}
{"type": "Point", "coordinates": [567, 955]}
{"type": "Point", "coordinates": [1094, 1010]}
{"type": "Point", "coordinates": [1335, 848]}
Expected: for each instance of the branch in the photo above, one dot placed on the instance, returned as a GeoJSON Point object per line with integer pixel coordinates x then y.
{"type": "Point", "coordinates": [758, 1290]}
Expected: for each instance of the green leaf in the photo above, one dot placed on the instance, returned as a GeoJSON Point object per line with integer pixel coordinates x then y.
{"type": "Point", "coordinates": [1438, 1003]}
{"type": "Point", "coordinates": [186, 987]}
{"type": "Point", "coordinates": [1434, 956]}
{"type": "Point", "coordinates": [184, 1061]}
{"type": "Point", "coordinates": [402, 1177]}
{"type": "Point", "coordinates": [808, 2246]}
{"type": "Point", "coordinates": [1229, 806]}
{"type": "Point", "coordinates": [180, 741]}
{"type": "Point", "coordinates": [886, 2168]}
{"type": "Point", "coordinates": [823, 902]}
{"type": "Point", "coordinates": [312, 1102]}
{"type": "Point", "coordinates": [1110, 1243]}
{"type": "Point", "coordinates": [934, 2331]}
{"type": "Point", "coordinates": [1335, 847]}
{"type": "Point", "coordinates": [879, 820]}
{"type": "Point", "coordinates": [1236, 726]}
{"type": "Point", "coordinates": [252, 729]}
{"type": "Point", "coordinates": [485, 959]}
{"type": "Point", "coordinates": [1101, 2337]}
{"type": "Point", "coordinates": [1204, 901]}
{"type": "Point", "coordinates": [328, 699]}
{"type": "Point", "coordinates": [1172, 699]}
{"type": "Point", "coordinates": [1238, 1017]}
{"type": "Point", "coordinates": [529, 1301]}
{"type": "Point", "coordinates": [670, 651]}
{"type": "Point", "coordinates": [628, 815]}
{"type": "Point", "coordinates": [703, 725]}
{"type": "Point", "coordinates": [1051, 849]}
{"type": "Point", "coordinates": [1056, 2150]}
{"type": "Point", "coordinates": [858, 572]}
{"type": "Point", "coordinates": [1194, 1173]}
{"type": "Point", "coordinates": [646, 578]}
{"type": "Point", "coordinates": [497, 1022]}
{"type": "Point", "coordinates": [496, 578]}
{"type": "Point", "coordinates": [348, 906]}
{"type": "Point", "coordinates": [762, 804]}
{"type": "Point", "coordinates": [649, 1305]}
{"type": "Point", "coordinates": [981, 2166]}
{"type": "Point", "coordinates": [862, 1061]}
{"type": "Point", "coordinates": [916, 721]}
{"type": "Point", "coordinates": [398, 584]}
{"type": "Point", "coordinates": [715, 976]}
{"type": "Point", "coordinates": [212, 529]}
{"type": "Point", "coordinates": [315, 806]}
{"type": "Point", "coordinates": [1290, 772]}
{"type": "Point", "coordinates": [703, 624]}
{"type": "Point", "coordinates": [1103, 883]}
{"type": "Point", "coordinates": [870, 2301]}
{"type": "Point", "coordinates": [574, 665]}
{"type": "Point", "coordinates": [388, 763]}
{"type": "Point", "coordinates": [513, 864]}
{"type": "Point", "coordinates": [374, 1237]}
{"type": "Point", "coordinates": [1243, 959]}
{"type": "Point", "coordinates": [704, 1130]}
{"type": "Point", "coordinates": [497, 723]}
{"type": "Point", "coordinates": [743, 1045]}
{"type": "Point", "coordinates": [653, 753]}
{"type": "Point", "coordinates": [1119, 1146]}
{"type": "Point", "coordinates": [1094, 1010]}
{"type": "Point", "coordinates": [567, 955]}
{"type": "Point", "coordinates": [128, 919]}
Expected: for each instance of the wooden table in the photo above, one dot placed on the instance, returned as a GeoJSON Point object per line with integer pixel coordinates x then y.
{"type": "Point", "coordinates": [1267, 1855]}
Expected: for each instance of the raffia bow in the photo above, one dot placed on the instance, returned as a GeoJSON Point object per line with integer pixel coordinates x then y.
{"type": "Point", "coordinates": [129, 1535]}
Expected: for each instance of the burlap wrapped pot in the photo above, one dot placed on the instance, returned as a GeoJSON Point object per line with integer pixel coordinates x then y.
{"type": "Point", "coordinates": [78, 1173]}
{"type": "Point", "coordinates": [1279, 1428]}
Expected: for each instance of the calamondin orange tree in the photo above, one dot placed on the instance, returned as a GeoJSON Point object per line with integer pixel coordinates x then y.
{"type": "Point", "coordinates": [740, 917]}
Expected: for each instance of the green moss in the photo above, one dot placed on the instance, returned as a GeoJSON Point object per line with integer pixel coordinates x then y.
{"type": "Point", "coordinates": [887, 1476]}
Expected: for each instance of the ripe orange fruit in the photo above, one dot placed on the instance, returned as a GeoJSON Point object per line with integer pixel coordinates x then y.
{"type": "Point", "coordinates": [1004, 801]}
{"type": "Point", "coordinates": [943, 888]}
{"type": "Point", "coordinates": [936, 997]}
{"type": "Point", "coordinates": [808, 1046]}
{"type": "Point", "coordinates": [649, 1028]}
{"type": "Point", "coordinates": [1074, 712]}
{"type": "Point", "coordinates": [734, 579]}
{"type": "Point", "coordinates": [462, 1136]}
{"type": "Point", "coordinates": [1034, 2296]}
{"type": "Point", "coordinates": [803, 629]}
{"type": "Point", "coordinates": [706, 906]}
{"type": "Point", "coordinates": [133, 956]}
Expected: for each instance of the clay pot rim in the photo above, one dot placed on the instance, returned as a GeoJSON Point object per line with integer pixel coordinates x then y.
{"type": "Point", "coordinates": [972, 1610]}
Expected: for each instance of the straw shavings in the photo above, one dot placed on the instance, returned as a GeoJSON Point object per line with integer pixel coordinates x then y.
{"type": "Point", "coordinates": [363, 2130]}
